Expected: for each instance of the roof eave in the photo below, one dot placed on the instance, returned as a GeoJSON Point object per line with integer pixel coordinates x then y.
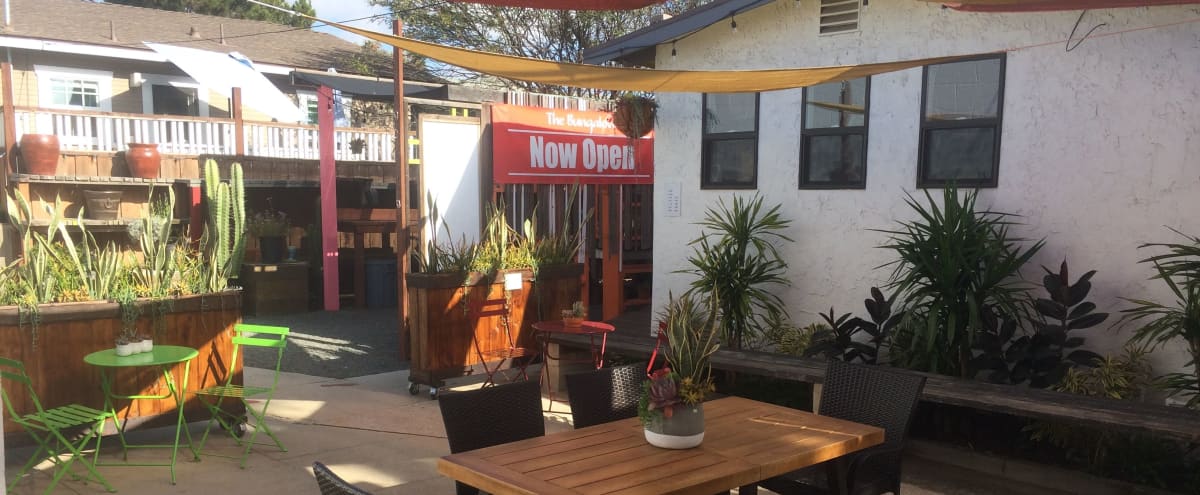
{"type": "Point", "coordinates": [638, 47]}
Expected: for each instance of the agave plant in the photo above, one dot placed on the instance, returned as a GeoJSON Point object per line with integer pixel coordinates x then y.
{"type": "Point", "coordinates": [739, 266]}
{"type": "Point", "coordinates": [1159, 323]}
{"type": "Point", "coordinates": [954, 264]}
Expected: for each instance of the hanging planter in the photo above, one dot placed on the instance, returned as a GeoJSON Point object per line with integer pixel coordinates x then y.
{"type": "Point", "coordinates": [634, 115]}
{"type": "Point", "coordinates": [143, 160]}
{"type": "Point", "coordinates": [39, 154]}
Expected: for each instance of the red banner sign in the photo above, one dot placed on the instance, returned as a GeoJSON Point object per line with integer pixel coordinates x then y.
{"type": "Point", "coordinates": [532, 145]}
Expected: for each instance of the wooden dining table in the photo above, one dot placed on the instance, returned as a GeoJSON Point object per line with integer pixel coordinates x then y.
{"type": "Point", "coordinates": [745, 441]}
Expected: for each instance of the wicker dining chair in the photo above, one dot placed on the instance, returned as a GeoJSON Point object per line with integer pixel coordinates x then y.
{"type": "Point", "coordinates": [489, 416]}
{"type": "Point", "coordinates": [871, 395]}
{"type": "Point", "coordinates": [332, 484]}
{"type": "Point", "coordinates": [605, 395]}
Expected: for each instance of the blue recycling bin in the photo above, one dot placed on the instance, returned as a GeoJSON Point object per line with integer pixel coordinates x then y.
{"type": "Point", "coordinates": [381, 282]}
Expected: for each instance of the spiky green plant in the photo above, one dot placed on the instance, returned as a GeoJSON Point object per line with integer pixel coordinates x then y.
{"type": "Point", "coordinates": [953, 264]}
{"type": "Point", "coordinates": [737, 264]}
{"type": "Point", "coordinates": [224, 234]}
{"type": "Point", "coordinates": [1159, 324]}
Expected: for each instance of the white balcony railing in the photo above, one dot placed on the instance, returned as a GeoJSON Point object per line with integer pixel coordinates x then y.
{"type": "Point", "coordinates": [97, 131]}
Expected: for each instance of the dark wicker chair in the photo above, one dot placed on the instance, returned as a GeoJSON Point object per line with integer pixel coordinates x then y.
{"type": "Point", "coordinates": [332, 484]}
{"type": "Point", "coordinates": [490, 416]}
{"type": "Point", "coordinates": [605, 395]}
{"type": "Point", "coordinates": [871, 395]}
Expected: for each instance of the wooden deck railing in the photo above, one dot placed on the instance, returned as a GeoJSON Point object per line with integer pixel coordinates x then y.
{"type": "Point", "coordinates": [111, 132]}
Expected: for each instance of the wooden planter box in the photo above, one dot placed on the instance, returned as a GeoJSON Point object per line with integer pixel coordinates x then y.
{"type": "Point", "coordinates": [67, 332]}
{"type": "Point", "coordinates": [441, 334]}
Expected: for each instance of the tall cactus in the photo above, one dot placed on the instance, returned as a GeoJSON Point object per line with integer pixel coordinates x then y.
{"type": "Point", "coordinates": [224, 234]}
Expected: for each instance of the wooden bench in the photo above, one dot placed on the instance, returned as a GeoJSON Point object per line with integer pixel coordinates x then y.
{"type": "Point", "coordinates": [1162, 420]}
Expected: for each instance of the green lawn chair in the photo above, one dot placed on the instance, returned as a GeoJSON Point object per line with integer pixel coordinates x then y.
{"type": "Point", "coordinates": [46, 427]}
{"type": "Point", "coordinates": [255, 336]}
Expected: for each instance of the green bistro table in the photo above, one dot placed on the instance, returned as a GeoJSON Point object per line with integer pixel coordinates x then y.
{"type": "Point", "coordinates": [165, 357]}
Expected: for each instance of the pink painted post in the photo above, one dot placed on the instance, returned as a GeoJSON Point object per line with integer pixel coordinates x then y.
{"type": "Point", "coordinates": [329, 232]}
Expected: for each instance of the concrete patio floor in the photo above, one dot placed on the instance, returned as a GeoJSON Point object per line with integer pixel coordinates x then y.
{"type": "Point", "coordinates": [369, 430]}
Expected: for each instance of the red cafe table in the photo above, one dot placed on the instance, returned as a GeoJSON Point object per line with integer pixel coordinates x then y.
{"type": "Point", "coordinates": [593, 329]}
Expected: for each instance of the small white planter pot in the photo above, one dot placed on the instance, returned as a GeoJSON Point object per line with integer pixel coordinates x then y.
{"type": "Point", "coordinates": [124, 349]}
{"type": "Point", "coordinates": [146, 345]}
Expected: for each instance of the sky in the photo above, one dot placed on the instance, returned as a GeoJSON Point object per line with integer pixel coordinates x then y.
{"type": "Point", "coordinates": [341, 10]}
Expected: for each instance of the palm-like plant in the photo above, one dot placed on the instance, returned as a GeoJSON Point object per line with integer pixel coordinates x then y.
{"type": "Point", "coordinates": [954, 264]}
{"type": "Point", "coordinates": [1179, 268]}
{"type": "Point", "coordinates": [740, 266]}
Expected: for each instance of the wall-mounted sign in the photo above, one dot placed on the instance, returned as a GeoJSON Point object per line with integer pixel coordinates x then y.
{"type": "Point", "coordinates": [533, 145]}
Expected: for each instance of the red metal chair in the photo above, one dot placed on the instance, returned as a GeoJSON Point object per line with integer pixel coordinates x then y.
{"type": "Point", "coordinates": [518, 357]}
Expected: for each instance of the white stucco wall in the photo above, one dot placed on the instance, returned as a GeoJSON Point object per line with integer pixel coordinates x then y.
{"type": "Point", "coordinates": [1100, 147]}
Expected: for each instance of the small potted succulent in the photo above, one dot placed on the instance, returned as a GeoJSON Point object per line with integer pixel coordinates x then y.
{"type": "Point", "coordinates": [573, 318]}
{"type": "Point", "coordinates": [672, 403]}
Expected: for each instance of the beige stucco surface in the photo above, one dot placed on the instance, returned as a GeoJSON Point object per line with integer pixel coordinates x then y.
{"type": "Point", "coordinates": [1098, 151]}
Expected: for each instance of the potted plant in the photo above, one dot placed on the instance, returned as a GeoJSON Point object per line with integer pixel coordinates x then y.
{"type": "Point", "coordinates": [573, 318]}
{"type": "Point", "coordinates": [672, 403]}
{"type": "Point", "coordinates": [143, 160]}
{"type": "Point", "coordinates": [39, 154]}
{"type": "Point", "coordinates": [270, 226]}
{"type": "Point", "coordinates": [634, 114]}
{"type": "Point", "coordinates": [1160, 323]}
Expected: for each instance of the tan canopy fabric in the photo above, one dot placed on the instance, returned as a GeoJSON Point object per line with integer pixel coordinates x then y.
{"type": "Point", "coordinates": [629, 79]}
{"type": "Point", "coordinates": [1049, 5]}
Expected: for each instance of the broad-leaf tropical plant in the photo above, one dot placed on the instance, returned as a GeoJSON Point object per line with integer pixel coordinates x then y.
{"type": "Point", "coordinates": [736, 261]}
{"type": "Point", "coordinates": [953, 264]}
{"type": "Point", "coordinates": [1159, 324]}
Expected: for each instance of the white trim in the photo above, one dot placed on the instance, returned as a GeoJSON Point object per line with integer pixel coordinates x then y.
{"type": "Point", "coordinates": [102, 78]}
{"type": "Point", "coordinates": [113, 52]}
{"type": "Point", "coordinates": [178, 81]}
{"type": "Point", "coordinates": [303, 96]}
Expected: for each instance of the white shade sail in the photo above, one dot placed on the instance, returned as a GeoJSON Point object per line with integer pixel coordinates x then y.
{"type": "Point", "coordinates": [221, 72]}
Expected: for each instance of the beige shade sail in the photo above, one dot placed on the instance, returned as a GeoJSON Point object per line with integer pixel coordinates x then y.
{"type": "Point", "coordinates": [630, 79]}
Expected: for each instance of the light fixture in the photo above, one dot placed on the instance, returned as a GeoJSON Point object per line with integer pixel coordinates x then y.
{"type": "Point", "coordinates": [732, 23]}
{"type": "Point", "coordinates": [672, 50]}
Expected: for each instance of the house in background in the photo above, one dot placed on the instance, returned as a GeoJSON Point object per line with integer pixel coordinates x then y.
{"type": "Point", "coordinates": [1093, 142]}
{"type": "Point", "coordinates": [81, 71]}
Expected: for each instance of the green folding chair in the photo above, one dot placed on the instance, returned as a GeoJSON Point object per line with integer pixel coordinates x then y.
{"type": "Point", "coordinates": [212, 397]}
{"type": "Point", "coordinates": [46, 427]}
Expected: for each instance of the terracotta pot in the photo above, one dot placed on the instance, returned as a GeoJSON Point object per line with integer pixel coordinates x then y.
{"type": "Point", "coordinates": [143, 160]}
{"type": "Point", "coordinates": [39, 154]}
{"type": "Point", "coordinates": [102, 205]}
{"type": "Point", "coordinates": [633, 120]}
{"type": "Point", "coordinates": [572, 321]}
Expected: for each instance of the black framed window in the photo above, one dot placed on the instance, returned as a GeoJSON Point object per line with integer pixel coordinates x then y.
{"type": "Point", "coordinates": [962, 105]}
{"type": "Point", "coordinates": [833, 139]}
{"type": "Point", "coordinates": [730, 144]}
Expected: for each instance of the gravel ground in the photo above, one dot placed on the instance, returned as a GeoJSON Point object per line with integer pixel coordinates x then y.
{"type": "Point", "coordinates": [338, 344]}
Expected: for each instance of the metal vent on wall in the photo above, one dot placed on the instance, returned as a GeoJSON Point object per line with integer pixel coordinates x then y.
{"type": "Point", "coordinates": [839, 16]}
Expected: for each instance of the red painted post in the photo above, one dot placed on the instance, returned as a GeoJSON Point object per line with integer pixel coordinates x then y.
{"type": "Point", "coordinates": [329, 231]}
{"type": "Point", "coordinates": [195, 219]}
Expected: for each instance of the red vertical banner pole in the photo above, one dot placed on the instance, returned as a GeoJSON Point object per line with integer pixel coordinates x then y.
{"type": "Point", "coordinates": [329, 231]}
{"type": "Point", "coordinates": [402, 200]}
